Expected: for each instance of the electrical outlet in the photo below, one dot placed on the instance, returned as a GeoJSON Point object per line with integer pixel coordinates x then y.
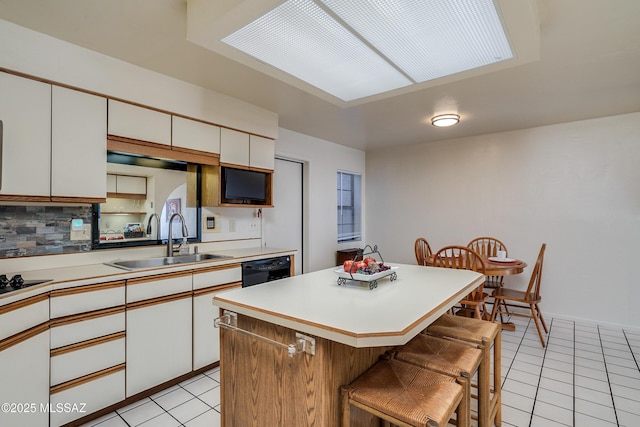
{"type": "Point", "coordinates": [253, 225]}
{"type": "Point", "coordinates": [83, 234]}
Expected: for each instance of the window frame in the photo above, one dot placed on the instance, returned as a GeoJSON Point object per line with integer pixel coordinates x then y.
{"type": "Point", "coordinates": [355, 199]}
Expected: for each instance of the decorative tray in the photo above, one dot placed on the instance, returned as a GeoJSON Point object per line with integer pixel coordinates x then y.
{"type": "Point", "coordinates": [372, 278]}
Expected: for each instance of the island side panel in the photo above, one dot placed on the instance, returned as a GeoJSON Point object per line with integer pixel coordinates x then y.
{"type": "Point", "coordinates": [261, 385]}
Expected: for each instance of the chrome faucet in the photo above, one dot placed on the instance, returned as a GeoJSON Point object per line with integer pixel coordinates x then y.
{"type": "Point", "coordinates": [185, 232]}
{"type": "Point", "coordinates": [157, 217]}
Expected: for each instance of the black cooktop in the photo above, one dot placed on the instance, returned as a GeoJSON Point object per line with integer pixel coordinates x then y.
{"type": "Point", "coordinates": [17, 282]}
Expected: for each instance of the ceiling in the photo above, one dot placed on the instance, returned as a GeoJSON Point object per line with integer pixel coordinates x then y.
{"type": "Point", "coordinates": [589, 67]}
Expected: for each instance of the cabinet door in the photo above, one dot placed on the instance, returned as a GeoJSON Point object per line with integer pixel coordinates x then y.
{"type": "Point", "coordinates": [25, 111]}
{"type": "Point", "coordinates": [78, 144]}
{"type": "Point", "coordinates": [195, 135]}
{"type": "Point", "coordinates": [159, 343]}
{"type": "Point", "coordinates": [126, 184]}
{"type": "Point", "coordinates": [234, 147]}
{"type": "Point", "coordinates": [261, 152]}
{"type": "Point", "coordinates": [139, 123]}
{"type": "Point", "coordinates": [206, 337]}
{"type": "Point", "coordinates": [24, 369]}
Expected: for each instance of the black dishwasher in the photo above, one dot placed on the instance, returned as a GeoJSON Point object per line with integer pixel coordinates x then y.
{"type": "Point", "coordinates": [265, 270]}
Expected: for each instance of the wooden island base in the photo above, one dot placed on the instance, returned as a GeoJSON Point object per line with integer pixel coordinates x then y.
{"type": "Point", "coordinates": [262, 386]}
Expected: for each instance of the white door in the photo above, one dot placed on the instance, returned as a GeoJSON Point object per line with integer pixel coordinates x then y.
{"type": "Point", "coordinates": [283, 223]}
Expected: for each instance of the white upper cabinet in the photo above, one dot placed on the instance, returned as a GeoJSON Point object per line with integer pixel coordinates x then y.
{"type": "Point", "coordinates": [139, 123]}
{"type": "Point", "coordinates": [25, 111]}
{"type": "Point", "coordinates": [234, 147]}
{"type": "Point", "coordinates": [242, 149]}
{"type": "Point", "coordinates": [261, 152]}
{"type": "Point", "coordinates": [78, 144]}
{"type": "Point", "coordinates": [195, 135]}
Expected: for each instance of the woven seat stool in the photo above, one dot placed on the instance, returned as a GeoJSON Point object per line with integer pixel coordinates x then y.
{"type": "Point", "coordinates": [445, 357]}
{"type": "Point", "coordinates": [484, 334]}
{"type": "Point", "coordinates": [402, 394]}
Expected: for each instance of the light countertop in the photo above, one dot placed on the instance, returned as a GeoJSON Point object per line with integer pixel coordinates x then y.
{"type": "Point", "coordinates": [80, 275]}
{"type": "Point", "coordinates": [390, 314]}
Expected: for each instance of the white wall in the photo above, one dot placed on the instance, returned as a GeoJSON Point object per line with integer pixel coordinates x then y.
{"type": "Point", "coordinates": [575, 186]}
{"type": "Point", "coordinates": [39, 55]}
{"type": "Point", "coordinates": [322, 160]}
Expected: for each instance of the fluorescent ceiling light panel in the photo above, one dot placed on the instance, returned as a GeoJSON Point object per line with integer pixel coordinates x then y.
{"type": "Point", "coordinates": [358, 48]}
{"type": "Point", "coordinates": [429, 39]}
{"type": "Point", "coordinates": [300, 38]}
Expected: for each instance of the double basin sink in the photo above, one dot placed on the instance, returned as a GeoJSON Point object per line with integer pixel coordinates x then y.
{"type": "Point", "coordinates": [137, 264]}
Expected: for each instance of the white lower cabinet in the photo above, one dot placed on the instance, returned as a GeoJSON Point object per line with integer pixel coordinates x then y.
{"type": "Point", "coordinates": [24, 380]}
{"type": "Point", "coordinates": [87, 396]}
{"type": "Point", "coordinates": [159, 341]}
{"type": "Point", "coordinates": [207, 283]}
{"type": "Point", "coordinates": [206, 337]}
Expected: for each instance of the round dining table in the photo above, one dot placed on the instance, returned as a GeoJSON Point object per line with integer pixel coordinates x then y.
{"type": "Point", "coordinates": [496, 268]}
{"type": "Point", "coordinates": [493, 267]}
{"type": "Point", "coordinates": [503, 268]}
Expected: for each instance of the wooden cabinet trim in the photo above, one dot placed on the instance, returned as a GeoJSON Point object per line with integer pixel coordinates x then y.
{"type": "Point", "coordinates": [217, 268]}
{"type": "Point", "coordinates": [159, 300]}
{"type": "Point", "coordinates": [87, 288]}
{"type": "Point", "coordinates": [87, 378]}
{"type": "Point", "coordinates": [216, 288]}
{"type": "Point", "coordinates": [64, 199]}
{"type": "Point", "coordinates": [23, 336]}
{"type": "Point", "coordinates": [23, 303]}
{"type": "Point", "coordinates": [81, 317]}
{"type": "Point", "coordinates": [151, 149]}
{"type": "Point", "coordinates": [86, 344]}
{"type": "Point", "coordinates": [156, 277]}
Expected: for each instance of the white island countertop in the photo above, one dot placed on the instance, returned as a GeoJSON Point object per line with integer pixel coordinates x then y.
{"type": "Point", "coordinates": [388, 315]}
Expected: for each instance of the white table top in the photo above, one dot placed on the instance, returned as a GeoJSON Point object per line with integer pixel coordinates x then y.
{"type": "Point", "coordinates": [390, 314]}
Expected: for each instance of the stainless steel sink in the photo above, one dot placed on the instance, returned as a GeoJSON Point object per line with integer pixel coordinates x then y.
{"type": "Point", "coordinates": [137, 264]}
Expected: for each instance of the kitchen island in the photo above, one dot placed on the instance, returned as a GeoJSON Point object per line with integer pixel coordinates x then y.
{"type": "Point", "coordinates": [343, 329]}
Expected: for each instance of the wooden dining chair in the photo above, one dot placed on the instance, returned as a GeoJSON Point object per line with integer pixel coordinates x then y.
{"type": "Point", "coordinates": [524, 299]}
{"type": "Point", "coordinates": [489, 247]}
{"type": "Point", "coordinates": [422, 250]}
{"type": "Point", "coordinates": [464, 258]}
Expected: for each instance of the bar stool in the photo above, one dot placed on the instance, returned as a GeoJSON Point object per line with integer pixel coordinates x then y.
{"type": "Point", "coordinates": [403, 394]}
{"type": "Point", "coordinates": [483, 334]}
{"type": "Point", "coordinates": [444, 357]}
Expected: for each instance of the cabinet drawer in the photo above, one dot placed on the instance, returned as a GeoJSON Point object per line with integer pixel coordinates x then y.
{"type": "Point", "coordinates": [217, 276]}
{"type": "Point", "coordinates": [68, 363]}
{"type": "Point", "coordinates": [81, 299]}
{"type": "Point", "coordinates": [92, 326]}
{"type": "Point", "coordinates": [157, 286]}
{"type": "Point", "coordinates": [22, 315]}
{"type": "Point", "coordinates": [97, 391]}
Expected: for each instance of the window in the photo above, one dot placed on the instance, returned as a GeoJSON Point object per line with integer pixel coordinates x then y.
{"type": "Point", "coordinates": [349, 207]}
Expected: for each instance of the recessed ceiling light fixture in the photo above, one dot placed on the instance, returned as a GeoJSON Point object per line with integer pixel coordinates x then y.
{"type": "Point", "coordinates": [445, 120]}
{"type": "Point", "coordinates": [358, 48]}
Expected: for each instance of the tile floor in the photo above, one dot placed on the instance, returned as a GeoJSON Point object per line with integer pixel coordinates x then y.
{"type": "Point", "coordinates": [588, 375]}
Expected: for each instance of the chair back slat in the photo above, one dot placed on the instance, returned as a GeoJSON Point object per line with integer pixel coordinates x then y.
{"type": "Point", "coordinates": [461, 258]}
{"type": "Point", "coordinates": [487, 246]}
{"type": "Point", "coordinates": [422, 250]}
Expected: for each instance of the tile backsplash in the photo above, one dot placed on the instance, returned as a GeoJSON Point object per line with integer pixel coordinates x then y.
{"type": "Point", "coordinates": [40, 230]}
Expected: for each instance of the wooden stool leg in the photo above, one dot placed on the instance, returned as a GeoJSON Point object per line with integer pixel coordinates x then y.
{"type": "Point", "coordinates": [346, 408]}
{"type": "Point", "coordinates": [484, 385]}
{"type": "Point", "coordinates": [497, 377]}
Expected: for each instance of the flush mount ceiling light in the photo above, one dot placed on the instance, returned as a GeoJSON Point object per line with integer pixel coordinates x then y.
{"type": "Point", "coordinates": [445, 120]}
{"type": "Point", "coordinates": [360, 48]}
